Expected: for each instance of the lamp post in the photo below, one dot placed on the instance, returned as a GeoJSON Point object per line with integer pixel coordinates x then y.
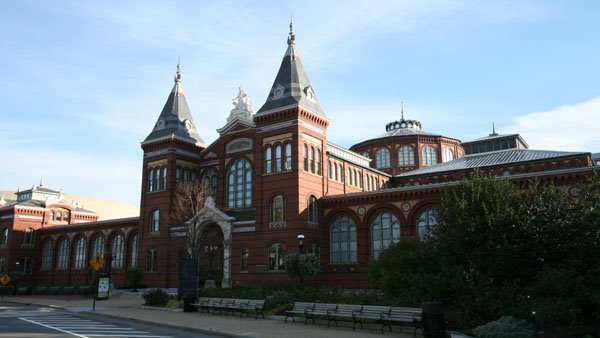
{"type": "Point", "coordinates": [16, 275]}
{"type": "Point", "coordinates": [300, 240]}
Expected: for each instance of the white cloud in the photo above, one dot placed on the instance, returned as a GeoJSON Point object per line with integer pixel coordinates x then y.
{"type": "Point", "coordinates": [569, 128]}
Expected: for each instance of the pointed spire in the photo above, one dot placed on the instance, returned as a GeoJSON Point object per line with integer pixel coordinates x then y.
{"type": "Point", "coordinates": [41, 181]}
{"type": "Point", "coordinates": [402, 109]}
{"type": "Point", "coordinates": [291, 86]}
{"type": "Point", "coordinates": [493, 129]}
{"type": "Point", "coordinates": [175, 120]}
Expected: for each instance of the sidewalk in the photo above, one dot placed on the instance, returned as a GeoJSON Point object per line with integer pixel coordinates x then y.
{"type": "Point", "coordinates": [229, 326]}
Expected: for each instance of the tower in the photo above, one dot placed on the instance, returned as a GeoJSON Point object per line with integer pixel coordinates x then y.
{"type": "Point", "coordinates": [171, 154]}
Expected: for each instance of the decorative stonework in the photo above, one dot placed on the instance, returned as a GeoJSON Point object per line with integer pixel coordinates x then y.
{"type": "Point", "coordinates": [242, 107]}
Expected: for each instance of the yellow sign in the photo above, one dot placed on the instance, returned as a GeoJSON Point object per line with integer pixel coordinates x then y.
{"type": "Point", "coordinates": [4, 279]}
{"type": "Point", "coordinates": [97, 261]}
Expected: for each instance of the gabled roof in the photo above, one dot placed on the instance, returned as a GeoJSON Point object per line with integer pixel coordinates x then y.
{"type": "Point", "coordinates": [175, 120]}
{"type": "Point", "coordinates": [291, 87]}
{"type": "Point", "coordinates": [489, 159]}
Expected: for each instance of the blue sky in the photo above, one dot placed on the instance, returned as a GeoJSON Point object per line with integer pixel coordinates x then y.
{"type": "Point", "coordinates": [84, 81]}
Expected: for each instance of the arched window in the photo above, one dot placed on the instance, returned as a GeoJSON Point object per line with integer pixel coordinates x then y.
{"type": "Point", "coordinates": [329, 173]}
{"type": "Point", "coordinates": [448, 155]}
{"type": "Point", "coordinates": [288, 156]}
{"type": "Point", "coordinates": [51, 215]}
{"type": "Point", "coordinates": [312, 209]}
{"type": "Point", "coordinates": [4, 237]}
{"type": "Point", "coordinates": [154, 224]}
{"type": "Point", "coordinates": [318, 162]}
{"type": "Point", "coordinates": [62, 257]}
{"type": "Point", "coordinates": [429, 156]}
{"type": "Point", "coordinates": [278, 164]}
{"type": "Point", "coordinates": [150, 180]}
{"type": "Point", "coordinates": [312, 160]}
{"type": "Point", "coordinates": [342, 237]}
{"type": "Point", "coordinates": [98, 246]}
{"type": "Point", "coordinates": [385, 230]}
{"type": "Point", "coordinates": [2, 264]}
{"type": "Point", "coordinates": [350, 181]}
{"type": "Point", "coordinates": [277, 257]}
{"type": "Point", "coordinates": [79, 253]}
{"type": "Point", "coordinates": [382, 158]}
{"type": "Point", "coordinates": [268, 160]}
{"type": "Point", "coordinates": [133, 250]}
{"type": "Point", "coordinates": [427, 221]}
{"type": "Point", "coordinates": [406, 156]}
{"type": "Point", "coordinates": [210, 182]}
{"type": "Point", "coordinates": [164, 178]}
{"type": "Point", "coordinates": [157, 185]}
{"type": "Point", "coordinates": [337, 171]}
{"type": "Point", "coordinates": [359, 180]}
{"type": "Point", "coordinates": [47, 252]}
{"type": "Point", "coordinates": [116, 247]}
{"type": "Point", "coordinates": [239, 184]}
{"type": "Point", "coordinates": [28, 236]}
{"type": "Point", "coordinates": [305, 157]}
{"type": "Point", "coordinates": [58, 216]}
{"type": "Point", "coordinates": [277, 209]}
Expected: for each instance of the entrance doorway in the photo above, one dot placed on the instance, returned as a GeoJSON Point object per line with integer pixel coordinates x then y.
{"type": "Point", "coordinates": [210, 256]}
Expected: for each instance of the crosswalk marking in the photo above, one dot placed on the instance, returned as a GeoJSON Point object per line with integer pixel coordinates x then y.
{"type": "Point", "coordinates": [85, 328]}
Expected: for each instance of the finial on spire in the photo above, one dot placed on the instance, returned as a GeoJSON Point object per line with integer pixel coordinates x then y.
{"type": "Point", "coordinates": [493, 129]}
{"type": "Point", "coordinates": [291, 37]}
{"type": "Point", "coordinates": [402, 109]}
{"type": "Point", "coordinates": [41, 181]}
{"type": "Point", "coordinates": [178, 72]}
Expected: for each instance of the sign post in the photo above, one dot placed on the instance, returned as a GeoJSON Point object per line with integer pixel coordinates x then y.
{"type": "Point", "coordinates": [5, 279]}
{"type": "Point", "coordinates": [97, 262]}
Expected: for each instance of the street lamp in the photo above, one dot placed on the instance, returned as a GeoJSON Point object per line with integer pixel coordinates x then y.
{"type": "Point", "coordinates": [300, 240]}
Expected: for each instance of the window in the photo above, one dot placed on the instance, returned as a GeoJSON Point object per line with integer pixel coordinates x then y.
{"type": "Point", "coordinates": [164, 178]}
{"type": "Point", "coordinates": [312, 160]}
{"type": "Point", "coordinates": [210, 182]}
{"type": "Point", "coordinates": [305, 157]}
{"type": "Point", "coordinates": [59, 216]}
{"type": "Point", "coordinates": [277, 209]}
{"type": "Point", "coordinates": [51, 216]}
{"type": "Point", "coordinates": [157, 186]}
{"type": "Point", "coordinates": [278, 163]}
{"type": "Point", "coordinates": [116, 247]}
{"type": "Point", "coordinates": [62, 257]}
{"type": "Point", "coordinates": [151, 260]}
{"type": "Point", "coordinates": [350, 181]}
{"type": "Point", "coordinates": [154, 224]}
{"type": "Point", "coordinates": [448, 155]}
{"type": "Point", "coordinates": [406, 156]}
{"type": "Point", "coordinates": [26, 264]}
{"type": "Point", "coordinates": [288, 156]}
{"type": "Point", "coordinates": [98, 246]}
{"type": "Point", "coordinates": [2, 272]}
{"type": "Point", "coordinates": [4, 237]}
{"type": "Point", "coordinates": [47, 252]}
{"type": "Point", "coordinates": [382, 158]}
{"type": "Point", "coordinates": [150, 180]}
{"type": "Point", "coordinates": [385, 230]}
{"type": "Point", "coordinates": [318, 162]}
{"type": "Point", "coordinates": [133, 250]}
{"type": "Point", "coordinates": [329, 173]}
{"type": "Point", "coordinates": [343, 240]}
{"type": "Point", "coordinates": [429, 156]}
{"type": "Point", "coordinates": [427, 221]}
{"type": "Point", "coordinates": [338, 168]}
{"type": "Point", "coordinates": [28, 236]}
{"type": "Point", "coordinates": [315, 250]}
{"type": "Point", "coordinates": [245, 253]}
{"type": "Point", "coordinates": [268, 161]}
{"type": "Point", "coordinates": [239, 184]}
{"type": "Point", "coordinates": [79, 253]}
{"type": "Point", "coordinates": [277, 257]}
{"type": "Point", "coordinates": [312, 209]}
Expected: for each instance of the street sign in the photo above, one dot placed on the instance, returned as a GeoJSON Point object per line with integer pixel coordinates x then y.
{"type": "Point", "coordinates": [103, 288]}
{"type": "Point", "coordinates": [97, 261]}
{"type": "Point", "coordinates": [4, 279]}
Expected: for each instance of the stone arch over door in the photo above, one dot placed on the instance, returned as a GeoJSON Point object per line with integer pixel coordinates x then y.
{"type": "Point", "coordinates": [210, 216]}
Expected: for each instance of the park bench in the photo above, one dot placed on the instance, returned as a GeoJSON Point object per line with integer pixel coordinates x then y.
{"type": "Point", "coordinates": [388, 316]}
{"type": "Point", "coordinates": [299, 309]}
{"type": "Point", "coordinates": [230, 305]}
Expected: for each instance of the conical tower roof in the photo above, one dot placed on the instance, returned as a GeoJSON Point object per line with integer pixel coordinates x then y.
{"type": "Point", "coordinates": [175, 120]}
{"type": "Point", "coordinates": [291, 87]}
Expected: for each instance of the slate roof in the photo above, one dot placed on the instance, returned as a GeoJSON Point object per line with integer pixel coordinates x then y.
{"type": "Point", "coordinates": [291, 87]}
{"type": "Point", "coordinates": [488, 159]}
{"type": "Point", "coordinates": [37, 204]}
{"type": "Point", "coordinates": [175, 119]}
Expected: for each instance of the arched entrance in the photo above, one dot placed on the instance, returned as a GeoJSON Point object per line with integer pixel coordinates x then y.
{"type": "Point", "coordinates": [211, 254]}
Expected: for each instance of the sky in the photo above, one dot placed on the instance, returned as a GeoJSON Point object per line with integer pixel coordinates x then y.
{"type": "Point", "coordinates": [83, 82]}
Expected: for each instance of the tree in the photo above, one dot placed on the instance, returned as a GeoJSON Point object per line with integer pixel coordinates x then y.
{"type": "Point", "coordinates": [503, 250]}
{"type": "Point", "coordinates": [301, 265]}
{"type": "Point", "coordinates": [188, 201]}
{"type": "Point", "coordinates": [134, 277]}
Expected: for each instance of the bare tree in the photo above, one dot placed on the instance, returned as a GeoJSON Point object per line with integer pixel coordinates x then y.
{"type": "Point", "coordinates": [188, 201]}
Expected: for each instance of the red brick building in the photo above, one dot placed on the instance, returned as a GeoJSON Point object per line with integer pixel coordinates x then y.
{"type": "Point", "coordinates": [272, 175]}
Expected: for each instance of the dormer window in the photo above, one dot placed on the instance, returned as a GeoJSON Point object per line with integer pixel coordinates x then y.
{"type": "Point", "coordinates": [278, 92]}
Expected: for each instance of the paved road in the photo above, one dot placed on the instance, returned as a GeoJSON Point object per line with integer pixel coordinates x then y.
{"type": "Point", "coordinates": [19, 320]}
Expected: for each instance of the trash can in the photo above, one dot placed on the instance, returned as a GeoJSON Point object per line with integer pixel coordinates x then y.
{"type": "Point", "coordinates": [188, 300]}
{"type": "Point", "coordinates": [434, 325]}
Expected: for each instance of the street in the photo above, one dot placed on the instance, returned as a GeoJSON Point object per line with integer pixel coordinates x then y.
{"type": "Point", "coordinates": [32, 321]}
